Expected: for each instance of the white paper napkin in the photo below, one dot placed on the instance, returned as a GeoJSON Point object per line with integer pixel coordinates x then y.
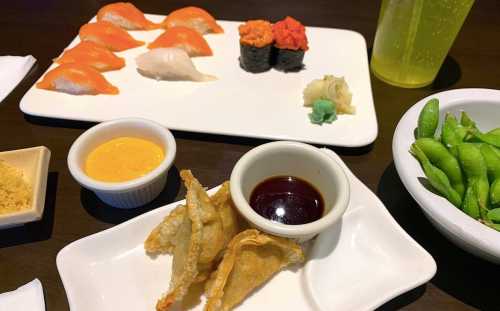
{"type": "Point", "coordinates": [27, 297]}
{"type": "Point", "coordinates": [12, 71]}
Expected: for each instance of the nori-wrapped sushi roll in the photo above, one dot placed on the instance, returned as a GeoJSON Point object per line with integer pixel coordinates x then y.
{"type": "Point", "coordinates": [256, 38]}
{"type": "Point", "coordinates": [290, 44]}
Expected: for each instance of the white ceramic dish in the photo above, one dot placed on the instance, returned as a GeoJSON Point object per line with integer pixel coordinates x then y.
{"type": "Point", "coordinates": [267, 105]}
{"type": "Point", "coordinates": [483, 106]}
{"type": "Point", "coordinates": [128, 194]}
{"type": "Point", "coordinates": [286, 158]}
{"type": "Point", "coordinates": [34, 162]}
{"type": "Point", "coordinates": [358, 265]}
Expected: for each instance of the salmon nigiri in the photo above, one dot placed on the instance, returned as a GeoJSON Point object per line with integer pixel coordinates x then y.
{"type": "Point", "coordinates": [192, 17]}
{"type": "Point", "coordinates": [126, 16]}
{"type": "Point", "coordinates": [108, 35]}
{"type": "Point", "coordinates": [92, 54]}
{"type": "Point", "coordinates": [185, 38]}
{"type": "Point", "coordinates": [76, 79]}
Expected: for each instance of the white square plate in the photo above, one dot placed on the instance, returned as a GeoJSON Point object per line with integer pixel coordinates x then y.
{"type": "Point", "coordinates": [358, 265]}
{"type": "Point", "coordinates": [267, 105]}
{"type": "Point", "coordinates": [34, 164]}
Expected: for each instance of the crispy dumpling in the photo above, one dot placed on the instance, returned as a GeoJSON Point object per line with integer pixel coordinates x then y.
{"type": "Point", "coordinates": [76, 79]}
{"type": "Point", "coordinates": [192, 17]}
{"type": "Point", "coordinates": [125, 15]}
{"type": "Point", "coordinates": [185, 260]}
{"type": "Point", "coordinates": [109, 36]}
{"type": "Point", "coordinates": [92, 54]}
{"type": "Point", "coordinates": [197, 242]}
{"type": "Point", "coordinates": [251, 259]}
{"type": "Point", "coordinates": [231, 223]}
{"type": "Point", "coordinates": [161, 239]}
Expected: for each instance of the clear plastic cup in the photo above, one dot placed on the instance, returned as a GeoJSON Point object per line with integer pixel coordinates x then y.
{"type": "Point", "coordinates": [413, 38]}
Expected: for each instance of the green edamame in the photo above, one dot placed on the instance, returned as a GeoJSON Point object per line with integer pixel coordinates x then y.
{"type": "Point", "coordinates": [437, 178]}
{"type": "Point", "coordinates": [494, 215]}
{"type": "Point", "coordinates": [470, 204]}
{"type": "Point", "coordinates": [497, 151]}
{"type": "Point", "coordinates": [495, 131]}
{"type": "Point", "coordinates": [492, 162]}
{"type": "Point", "coordinates": [466, 121]}
{"type": "Point", "coordinates": [452, 133]}
{"type": "Point", "coordinates": [444, 160]}
{"type": "Point", "coordinates": [475, 170]}
{"type": "Point", "coordinates": [428, 119]}
{"type": "Point", "coordinates": [488, 138]}
{"type": "Point", "coordinates": [495, 193]}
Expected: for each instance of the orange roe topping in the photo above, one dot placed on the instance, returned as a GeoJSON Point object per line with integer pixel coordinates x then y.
{"type": "Point", "coordinates": [258, 33]}
{"type": "Point", "coordinates": [290, 34]}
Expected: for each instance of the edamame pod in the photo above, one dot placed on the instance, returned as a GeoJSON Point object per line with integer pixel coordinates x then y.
{"type": "Point", "coordinates": [437, 178]}
{"type": "Point", "coordinates": [439, 156]}
{"type": "Point", "coordinates": [428, 119]}
{"type": "Point", "coordinates": [492, 162]}
{"type": "Point", "coordinates": [467, 123]}
{"type": "Point", "coordinates": [452, 133]}
{"type": "Point", "coordinates": [495, 193]}
{"type": "Point", "coordinates": [475, 170]}
{"type": "Point", "coordinates": [497, 151]}
{"type": "Point", "coordinates": [494, 215]}
{"type": "Point", "coordinates": [470, 204]}
{"type": "Point", "coordinates": [488, 138]}
{"type": "Point", "coordinates": [495, 131]}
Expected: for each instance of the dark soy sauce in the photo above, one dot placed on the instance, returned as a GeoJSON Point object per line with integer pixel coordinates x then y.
{"type": "Point", "coordinates": [288, 200]}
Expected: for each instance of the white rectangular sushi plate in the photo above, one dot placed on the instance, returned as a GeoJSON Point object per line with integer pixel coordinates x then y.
{"type": "Point", "coordinates": [266, 105]}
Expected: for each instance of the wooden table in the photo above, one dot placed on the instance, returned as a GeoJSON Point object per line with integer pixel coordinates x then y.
{"type": "Point", "coordinates": [44, 28]}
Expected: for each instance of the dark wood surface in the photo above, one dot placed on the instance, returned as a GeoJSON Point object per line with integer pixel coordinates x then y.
{"type": "Point", "coordinates": [44, 28]}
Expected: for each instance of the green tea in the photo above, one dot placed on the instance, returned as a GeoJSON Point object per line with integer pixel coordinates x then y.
{"type": "Point", "coordinates": [413, 38]}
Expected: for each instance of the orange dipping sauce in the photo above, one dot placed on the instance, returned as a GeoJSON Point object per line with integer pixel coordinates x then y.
{"type": "Point", "coordinates": [122, 159]}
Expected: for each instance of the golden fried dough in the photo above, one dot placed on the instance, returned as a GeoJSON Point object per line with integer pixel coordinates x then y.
{"type": "Point", "coordinates": [231, 223]}
{"type": "Point", "coordinates": [160, 240]}
{"type": "Point", "coordinates": [251, 259]}
{"type": "Point", "coordinates": [185, 262]}
{"type": "Point", "coordinates": [197, 242]}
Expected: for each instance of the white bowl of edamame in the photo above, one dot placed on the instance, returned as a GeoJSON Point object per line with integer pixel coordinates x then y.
{"type": "Point", "coordinates": [483, 107]}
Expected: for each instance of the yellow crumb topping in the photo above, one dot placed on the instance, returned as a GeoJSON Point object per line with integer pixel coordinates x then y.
{"type": "Point", "coordinates": [15, 193]}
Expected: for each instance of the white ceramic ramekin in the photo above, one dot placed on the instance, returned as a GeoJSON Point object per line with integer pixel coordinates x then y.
{"type": "Point", "coordinates": [131, 193]}
{"type": "Point", "coordinates": [290, 159]}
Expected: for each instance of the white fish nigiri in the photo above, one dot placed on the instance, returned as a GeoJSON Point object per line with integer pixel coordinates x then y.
{"type": "Point", "coordinates": [172, 64]}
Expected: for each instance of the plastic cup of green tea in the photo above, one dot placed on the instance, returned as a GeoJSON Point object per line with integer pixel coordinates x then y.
{"type": "Point", "coordinates": [413, 38]}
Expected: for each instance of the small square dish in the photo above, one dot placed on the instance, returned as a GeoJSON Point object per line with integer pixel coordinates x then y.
{"type": "Point", "coordinates": [358, 265]}
{"type": "Point", "coordinates": [34, 164]}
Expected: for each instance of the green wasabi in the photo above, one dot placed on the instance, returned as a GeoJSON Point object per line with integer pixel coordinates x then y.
{"type": "Point", "coordinates": [324, 111]}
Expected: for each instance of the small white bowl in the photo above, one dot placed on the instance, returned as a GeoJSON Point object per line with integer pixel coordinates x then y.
{"type": "Point", "coordinates": [483, 106]}
{"type": "Point", "coordinates": [34, 163]}
{"type": "Point", "coordinates": [131, 193]}
{"type": "Point", "coordinates": [285, 158]}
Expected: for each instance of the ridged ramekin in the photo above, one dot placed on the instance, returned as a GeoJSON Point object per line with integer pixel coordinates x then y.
{"type": "Point", "coordinates": [286, 158]}
{"type": "Point", "coordinates": [131, 193]}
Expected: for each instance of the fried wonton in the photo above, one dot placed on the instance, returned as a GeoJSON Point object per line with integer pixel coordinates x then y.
{"type": "Point", "coordinates": [194, 234]}
{"type": "Point", "coordinates": [160, 240]}
{"type": "Point", "coordinates": [251, 259]}
{"type": "Point", "coordinates": [231, 223]}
